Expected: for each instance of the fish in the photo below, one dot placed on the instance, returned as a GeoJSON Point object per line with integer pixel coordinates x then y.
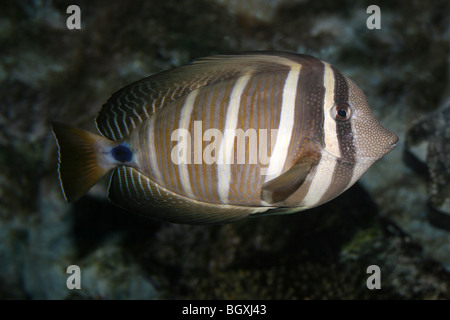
{"type": "Point", "coordinates": [227, 137]}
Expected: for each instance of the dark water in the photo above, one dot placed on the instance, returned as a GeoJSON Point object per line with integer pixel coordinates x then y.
{"type": "Point", "coordinates": [389, 219]}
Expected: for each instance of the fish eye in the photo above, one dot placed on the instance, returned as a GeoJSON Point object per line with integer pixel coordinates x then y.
{"type": "Point", "coordinates": [342, 111]}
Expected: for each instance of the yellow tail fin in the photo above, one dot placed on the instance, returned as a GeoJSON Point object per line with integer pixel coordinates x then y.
{"type": "Point", "coordinates": [79, 167]}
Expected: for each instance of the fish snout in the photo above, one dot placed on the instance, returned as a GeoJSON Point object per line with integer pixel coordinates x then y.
{"type": "Point", "coordinates": [393, 141]}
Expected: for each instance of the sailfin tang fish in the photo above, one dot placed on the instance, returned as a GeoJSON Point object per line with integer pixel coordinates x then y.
{"type": "Point", "coordinates": [227, 137]}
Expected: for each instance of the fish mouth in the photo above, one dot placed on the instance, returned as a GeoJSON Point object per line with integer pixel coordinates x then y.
{"type": "Point", "coordinates": [394, 144]}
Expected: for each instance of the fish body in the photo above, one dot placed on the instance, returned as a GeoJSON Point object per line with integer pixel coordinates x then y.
{"type": "Point", "coordinates": [227, 137]}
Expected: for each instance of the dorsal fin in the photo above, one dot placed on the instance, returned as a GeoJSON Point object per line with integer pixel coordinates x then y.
{"type": "Point", "coordinates": [131, 105]}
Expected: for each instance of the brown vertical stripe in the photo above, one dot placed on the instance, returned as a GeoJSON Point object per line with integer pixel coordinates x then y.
{"type": "Point", "coordinates": [344, 167]}
{"type": "Point", "coordinates": [309, 117]}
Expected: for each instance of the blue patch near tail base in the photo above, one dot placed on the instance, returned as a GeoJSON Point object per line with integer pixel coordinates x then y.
{"type": "Point", "coordinates": [122, 153]}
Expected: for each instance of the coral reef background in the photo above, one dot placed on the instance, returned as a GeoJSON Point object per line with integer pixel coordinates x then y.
{"type": "Point", "coordinates": [48, 72]}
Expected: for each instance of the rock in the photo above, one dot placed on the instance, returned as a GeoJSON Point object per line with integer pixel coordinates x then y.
{"type": "Point", "coordinates": [427, 149]}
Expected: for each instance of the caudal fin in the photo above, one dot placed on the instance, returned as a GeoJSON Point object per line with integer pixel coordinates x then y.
{"type": "Point", "coordinates": [78, 166]}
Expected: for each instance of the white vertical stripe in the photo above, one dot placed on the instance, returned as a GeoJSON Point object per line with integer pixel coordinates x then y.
{"type": "Point", "coordinates": [321, 180]}
{"type": "Point", "coordinates": [144, 108]}
{"type": "Point", "coordinates": [108, 124]}
{"type": "Point", "coordinates": [133, 124]}
{"type": "Point", "coordinates": [184, 123]}
{"type": "Point", "coordinates": [125, 126]}
{"type": "Point", "coordinates": [123, 178]}
{"type": "Point", "coordinates": [149, 188]}
{"type": "Point", "coordinates": [329, 126]}
{"type": "Point", "coordinates": [137, 115]}
{"type": "Point", "coordinates": [225, 154]}
{"type": "Point", "coordinates": [279, 154]}
{"type": "Point", "coordinates": [142, 187]}
{"type": "Point", "coordinates": [154, 163]}
{"type": "Point", "coordinates": [133, 183]}
{"type": "Point", "coordinates": [119, 177]}
{"type": "Point", "coordinates": [116, 124]}
{"type": "Point", "coordinates": [358, 171]}
{"type": "Point", "coordinates": [157, 190]}
{"type": "Point", "coordinates": [163, 99]}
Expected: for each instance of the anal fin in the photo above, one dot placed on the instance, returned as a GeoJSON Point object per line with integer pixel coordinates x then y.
{"type": "Point", "coordinates": [133, 191]}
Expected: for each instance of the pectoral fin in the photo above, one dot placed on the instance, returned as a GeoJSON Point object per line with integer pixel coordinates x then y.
{"type": "Point", "coordinates": [281, 187]}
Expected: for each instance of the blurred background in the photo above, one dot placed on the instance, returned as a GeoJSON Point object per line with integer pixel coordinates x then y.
{"type": "Point", "coordinates": [397, 217]}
